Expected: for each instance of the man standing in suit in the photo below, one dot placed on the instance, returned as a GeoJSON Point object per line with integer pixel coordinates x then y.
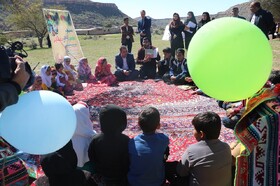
{"type": "Point", "coordinates": [127, 35]}
{"type": "Point", "coordinates": [125, 66]}
{"type": "Point", "coordinates": [144, 27]}
{"type": "Point", "coordinates": [235, 13]}
{"type": "Point", "coordinates": [262, 18]}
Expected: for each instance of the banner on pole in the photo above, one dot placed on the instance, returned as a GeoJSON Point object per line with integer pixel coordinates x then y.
{"type": "Point", "coordinates": [62, 35]}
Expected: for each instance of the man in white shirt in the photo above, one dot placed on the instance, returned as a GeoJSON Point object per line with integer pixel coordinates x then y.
{"type": "Point", "coordinates": [125, 66]}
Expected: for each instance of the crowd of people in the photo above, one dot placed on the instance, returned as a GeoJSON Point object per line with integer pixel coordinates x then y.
{"type": "Point", "coordinates": [114, 159]}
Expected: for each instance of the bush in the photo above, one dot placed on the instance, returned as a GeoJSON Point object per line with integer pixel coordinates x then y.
{"type": "Point", "coordinates": [32, 45]}
{"type": "Point", "coordinates": [158, 32]}
{"type": "Point", "coordinates": [3, 39]}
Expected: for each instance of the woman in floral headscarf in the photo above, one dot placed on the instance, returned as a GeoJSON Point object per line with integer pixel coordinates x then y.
{"type": "Point", "coordinates": [103, 73]}
{"type": "Point", "coordinates": [84, 71]}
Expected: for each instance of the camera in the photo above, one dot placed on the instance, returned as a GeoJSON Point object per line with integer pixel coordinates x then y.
{"type": "Point", "coordinates": [8, 63]}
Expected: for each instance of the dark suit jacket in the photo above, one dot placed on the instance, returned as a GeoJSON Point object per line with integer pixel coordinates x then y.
{"type": "Point", "coordinates": [264, 20]}
{"type": "Point", "coordinates": [146, 27]}
{"type": "Point", "coordinates": [128, 32]}
{"type": "Point", "coordinates": [130, 62]}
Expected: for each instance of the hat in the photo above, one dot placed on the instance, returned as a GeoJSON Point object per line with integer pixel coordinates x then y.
{"type": "Point", "coordinates": [167, 50]}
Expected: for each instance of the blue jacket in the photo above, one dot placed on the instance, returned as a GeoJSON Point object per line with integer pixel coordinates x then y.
{"type": "Point", "coordinates": [129, 59]}
{"type": "Point", "coordinates": [179, 69]}
{"type": "Point", "coordinates": [146, 27]}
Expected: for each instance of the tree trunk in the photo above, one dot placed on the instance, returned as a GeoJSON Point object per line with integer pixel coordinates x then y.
{"type": "Point", "coordinates": [40, 40]}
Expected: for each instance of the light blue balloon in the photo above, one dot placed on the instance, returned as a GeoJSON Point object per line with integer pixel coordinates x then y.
{"type": "Point", "coordinates": [40, 123]}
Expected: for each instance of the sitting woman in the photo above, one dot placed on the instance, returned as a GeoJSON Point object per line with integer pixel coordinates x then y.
{"type": "Point", "coordinates": [84, 71]}
{"type": "Point", "coordinates": [62, 80]}
{"type": "Point", "coordinates": [103, 73]}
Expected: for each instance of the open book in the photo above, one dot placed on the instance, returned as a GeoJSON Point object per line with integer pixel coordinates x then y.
{"type": "Point", "coordinates": [151, 52]}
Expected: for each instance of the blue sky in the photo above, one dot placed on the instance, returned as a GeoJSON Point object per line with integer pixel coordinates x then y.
{"type": "Point", "coordinates": [165, 8]}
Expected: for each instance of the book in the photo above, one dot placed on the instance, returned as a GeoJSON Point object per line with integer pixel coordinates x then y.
{"type": "Point", "coordinates": [152, 53]}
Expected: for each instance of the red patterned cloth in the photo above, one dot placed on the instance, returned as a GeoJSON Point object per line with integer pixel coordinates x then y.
{"type": "Point", "coordinates": [176, 106]}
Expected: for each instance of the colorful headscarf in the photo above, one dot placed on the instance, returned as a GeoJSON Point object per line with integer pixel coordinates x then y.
{"type": "Point", "coordinates": [83, 68]}
{"type": "Point", "coordinates": [99, 65]}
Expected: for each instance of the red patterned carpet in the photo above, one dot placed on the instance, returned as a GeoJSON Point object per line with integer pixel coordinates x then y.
{"type": "Point", "coordinates": [176, 106]}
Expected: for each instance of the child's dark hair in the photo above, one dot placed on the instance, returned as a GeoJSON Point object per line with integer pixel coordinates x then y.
{"type": "Point", "coordinates": [209, 123]}
{"type": "Point", "coordinates": [180, 50]}
{"type": "Point", "coordinates": [149, 120]}
{"type": "Point", "coordinates": [58, 65]}
{"type": "Point", "coordinates": [274, 77]}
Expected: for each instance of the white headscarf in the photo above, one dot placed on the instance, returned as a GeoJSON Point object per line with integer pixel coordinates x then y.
{"type": "Point", "coordinates": [47, 80]}
{"type": "Point", "coordinates": [68, 67]}
{"type": "Point", "coordinates": [83, 133]}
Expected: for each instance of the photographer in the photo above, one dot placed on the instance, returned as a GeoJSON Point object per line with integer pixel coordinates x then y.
{"type": "Point", "coordinates": [10, 90]}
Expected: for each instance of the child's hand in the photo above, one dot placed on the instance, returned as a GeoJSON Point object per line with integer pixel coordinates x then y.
{"type": "Point", "coordinates": [173, 78]}
{"type": "Point", "coordinates": [188, 79]}
{"type": "Point", "coordinates": [230, 112]}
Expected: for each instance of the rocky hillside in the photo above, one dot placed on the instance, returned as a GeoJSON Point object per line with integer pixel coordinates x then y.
{"type": "Point", "coordinates": [85, 13]}
{"type": "Point", "coordinates": [88, 14]}
{"type": "Point", "coordinates": [244, 10]}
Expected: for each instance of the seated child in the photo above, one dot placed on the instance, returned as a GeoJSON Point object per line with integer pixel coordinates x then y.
{"type": "Point", "coordinates": [37, 85]}
{"type": "Point", "coordinates": [108, 151]}
{"type": "Point", "coordinates": [147, 151]}
{"type": "Point", "coordinates": [71, 72]}
{"type": "Point", "coordinates": [103, 73]}
{"type": "Point", "coordinates": [61, 167]}
{"type": "Point", "coordinates": [84, 71]}
{"type": "Point", "coordinates": [69, 68]}
{"type": "Point", "coordinates": [62, 80]}
{"type": "Point", "coordinates": [234, 110]}
{"type": "Point", "coordinates": [46, 76]}
{"type": "Point", "coordinates": [207, 162]}
{"type": "Point", "coordinates": [179, 73]}
{"type": "Point", "coordinates": [83, 133]}
{"type": "Point", "coordinates": [164, 65]}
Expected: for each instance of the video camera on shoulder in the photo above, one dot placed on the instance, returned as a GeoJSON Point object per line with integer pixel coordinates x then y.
{"type": "Point", "coordinates": [8, 63]}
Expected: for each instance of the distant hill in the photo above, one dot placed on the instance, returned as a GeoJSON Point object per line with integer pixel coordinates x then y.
{"type": "Point", "coordinates": [244, 10]}
{"type": "Point", "coordinates": [89, 14]}
{"type": "Point", "coordinates": [85, 13]}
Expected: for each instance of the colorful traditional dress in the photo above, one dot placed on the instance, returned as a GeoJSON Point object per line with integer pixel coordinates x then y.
{"type": "Point", "coordinates": [259, 132]}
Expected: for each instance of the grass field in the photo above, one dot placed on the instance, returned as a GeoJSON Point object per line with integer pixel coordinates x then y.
{"type": "Point", "coordinates": [108, 46]}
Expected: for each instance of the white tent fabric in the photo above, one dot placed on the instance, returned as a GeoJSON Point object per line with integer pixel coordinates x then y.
{"type": "Point", "coordinates": [166, 35]}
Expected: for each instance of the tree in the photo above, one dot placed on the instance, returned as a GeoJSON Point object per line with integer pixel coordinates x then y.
{"type": "Point", "coordinates": [25, 14]}
{"type": "Point", "coordinates": [273, 6]}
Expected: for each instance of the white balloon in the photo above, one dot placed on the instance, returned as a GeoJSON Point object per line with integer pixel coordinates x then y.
{"type": "Point", "coordinates": [40, 123]}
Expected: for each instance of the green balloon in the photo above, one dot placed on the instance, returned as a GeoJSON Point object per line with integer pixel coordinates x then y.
{"type": "Point", "coordinates": [229, 59]}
